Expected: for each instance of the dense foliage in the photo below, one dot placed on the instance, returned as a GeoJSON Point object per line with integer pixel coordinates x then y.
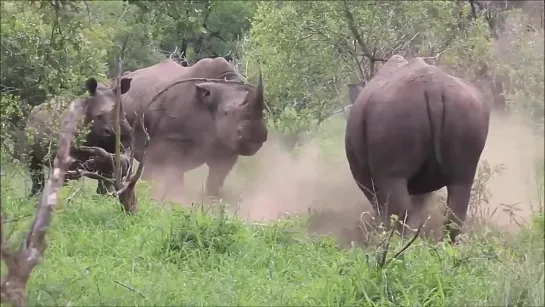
{"type": "Point", "coordinates": [308, 51]}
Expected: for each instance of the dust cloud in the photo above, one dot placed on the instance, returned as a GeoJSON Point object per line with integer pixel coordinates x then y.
{"type": "Point", "coordinates": [276, 182]}
{"type": "Point", "coordinates": [295, 184]}
{"type": "Point", "coordinates": [512, 143]}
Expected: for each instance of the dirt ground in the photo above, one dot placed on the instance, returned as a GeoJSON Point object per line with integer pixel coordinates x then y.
{"type": "Point", "coordinates": [275, 182]}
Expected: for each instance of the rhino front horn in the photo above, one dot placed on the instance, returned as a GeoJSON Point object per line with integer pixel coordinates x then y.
{"type": "Point", "coordinates": [259, 99]}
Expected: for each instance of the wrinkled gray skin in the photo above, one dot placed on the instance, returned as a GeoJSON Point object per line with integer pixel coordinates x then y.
{"type": "Point", "coordinates": [414, 129]}
{"type": "Point", "coordinates": [193, 123]}
{"type": "Point", "coordinates": [99, 111]}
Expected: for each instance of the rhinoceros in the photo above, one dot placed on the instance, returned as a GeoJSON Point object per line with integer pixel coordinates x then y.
{"type": "Point", "coordinates": [98, 111]}
{"type": "Point", "coordinates": [191, 123]}
{"type": "Point", "coordinates": [412, 130]}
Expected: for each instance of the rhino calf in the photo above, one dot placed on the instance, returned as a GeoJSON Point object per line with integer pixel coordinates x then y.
{"type": "Point", "coordinates": [98, 111]}
{"type": "Point", "coordinates": [412, 130]}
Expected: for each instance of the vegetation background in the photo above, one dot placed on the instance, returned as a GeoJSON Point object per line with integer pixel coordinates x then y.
{"type": "Point", "coordinates": [299, 182]}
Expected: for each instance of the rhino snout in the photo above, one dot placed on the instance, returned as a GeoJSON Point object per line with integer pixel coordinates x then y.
{"type": "Point", "coordinates": [107, 132]}
{"type": "Point", "coordinates": [252, 133]}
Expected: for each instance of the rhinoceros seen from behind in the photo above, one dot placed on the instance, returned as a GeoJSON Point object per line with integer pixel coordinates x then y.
{"type": "Point", "coordinates": [414, 129]}
{"type": "Point", "coordinates": [194, 122]}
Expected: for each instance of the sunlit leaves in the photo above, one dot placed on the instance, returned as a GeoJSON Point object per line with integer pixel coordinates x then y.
{"type": "Point", "coordinates": [304, 46]}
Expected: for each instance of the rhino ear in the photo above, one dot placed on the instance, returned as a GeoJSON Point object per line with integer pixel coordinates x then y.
{"type": "Point", "coordinates": [204, 92]}
{"type": "Point", "coordinates": [125, 85]}
{"type": "Point", "coordinates": [91, 86]}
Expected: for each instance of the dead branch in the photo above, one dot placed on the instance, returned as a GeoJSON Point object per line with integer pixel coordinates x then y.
{"type": "Point", "coordinates": [20, 263]}
{"type": "Point", "coordinates": [382, 263]}
{"type": "Point", "coordinates": [435, 57]}
{"type": "Point", "coordinates": [406, 247]}
{"type": "Point", "coordinates": [117, 127]}
{"type": "Point", "coordinates": [175, 52]}
{"type": "Point", "coordinates": [104, 161]}
{"type": "Point", "coordinates": [402, 45]}
{"type": "Point", "coordinates": [130, 288]}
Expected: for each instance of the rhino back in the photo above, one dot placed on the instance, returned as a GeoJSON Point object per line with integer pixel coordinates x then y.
{"type": "Point", "coordinates": [43, 125]}
{"type": "Point", "coordinates": [400, 90]}
{"type": "Point", "coordinates": [146, 83]}
{"type": "Point", "coordinates": [149, 81]}
{"type": "Point", "coordinates": [214, 68]}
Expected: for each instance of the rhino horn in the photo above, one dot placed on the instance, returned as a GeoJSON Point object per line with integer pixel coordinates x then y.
{"type": "Point", "coordinates": [259, 103]}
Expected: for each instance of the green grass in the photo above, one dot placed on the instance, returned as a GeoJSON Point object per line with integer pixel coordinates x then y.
{"type": "Point", "coordinates": [162, 256]}
{"type": "Point", "coordinates": [173, 256]}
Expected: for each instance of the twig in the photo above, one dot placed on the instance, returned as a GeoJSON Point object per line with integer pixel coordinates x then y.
{"type": "Point", "coordinates": [175, 52]}
{"type": "Point", "coordinates": [405, 43]}
{"type": "Point", "coordinates": [130, 288]}
{"type": "Point", "coordinates": [16, 219]}
{"type": "Point", "coordinates": [436, 56]}
{"type": "Point", "coordinates": [408, 244]}
{"type": "Point", "coordinates": [140, 170]}
{"type": "Point", "coordinates": [382, 260]}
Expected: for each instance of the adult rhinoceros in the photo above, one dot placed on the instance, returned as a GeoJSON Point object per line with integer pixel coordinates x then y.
{"type": "Point", "coordinates": [98, 111]}
{"type": "Point", "coordinates": [192, 122]}
{"type": "Point", "coordinates": [414, 129]}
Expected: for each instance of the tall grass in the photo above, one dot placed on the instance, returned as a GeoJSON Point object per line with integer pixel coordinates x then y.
{"type": "Point", "coordinates": [174, 256]}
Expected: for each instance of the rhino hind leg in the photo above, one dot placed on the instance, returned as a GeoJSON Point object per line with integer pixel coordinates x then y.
{"type": "Point", "coordinates": [393, 198]}
{"type": "Point", "coordinates": [104, 188]}
{"type": "Point", "coordinates": [37, 176]}
{"type": "Point", "coordinates": [457, 204]}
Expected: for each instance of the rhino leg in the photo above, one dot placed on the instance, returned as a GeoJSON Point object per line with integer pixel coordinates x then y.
{"type": "Point", "coordinates": [218, 169]}
{"type": "Point", "coordinates": [457, 204]}
{"type": "Point", "coordinates": [104, 188]}
{"type": "Point", "coordinates": [37, 175]}
{"type": "Point", "coordinates": [393, 198]}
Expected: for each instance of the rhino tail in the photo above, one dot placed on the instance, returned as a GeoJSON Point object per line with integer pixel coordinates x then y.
{"type": "Point", "coordinates": [435, 103]}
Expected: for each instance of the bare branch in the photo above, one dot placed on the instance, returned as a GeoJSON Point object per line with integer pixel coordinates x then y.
{"type": "Point", "coordinates": [92, 175]}
{"type": "Point", "coordinates": [140, 169]}
{"type": "Point", "coordinates": [21, 262]}
{"type": "Point", "coordinates": [104, 162]}
{"type": "Point", "coordinates": [416, 234]}
{"type": "Point", "coordinates": [132, 144]}
{"type": "Point", "coordinates": [400, 47]}
{"type": "Point", "coordinates": [118, 112]}
{"type": "Point", "coordinates": [436, 57]}
{"type": "Point", "coordinates": [136, 176]}
{"type": "Point", "coordinates": [125, 10]}
{"type": "Point", "coordinates": [357, 36]}
{"type": "Point", "coordinates": [173, 53]}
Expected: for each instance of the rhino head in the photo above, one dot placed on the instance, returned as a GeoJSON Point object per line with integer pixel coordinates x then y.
{"type": "Point", "coordinates": [238, 114]}
{"type": "Point", "coordinates": [354, 90]}
{"type": "Point", "coordinates": [100, 113]}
